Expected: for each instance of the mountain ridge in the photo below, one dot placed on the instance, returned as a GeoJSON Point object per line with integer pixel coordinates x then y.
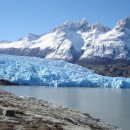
{"type": "Point", "coordinates": [77, 42]}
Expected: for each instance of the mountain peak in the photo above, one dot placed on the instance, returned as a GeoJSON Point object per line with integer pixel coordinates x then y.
{"type": "Point", "coordinates": [29, 37]}
{"type": "Point", "coordinates": [84, 22]}
{"type": "Point", "coordinates": [81, 25]}
{"type": "Point", "coordinates": [77, 24]}
{"type": "Point", "coordinates": [100, 27]}
{"type": "Point", "coordinates": [73, 25]}
{"type": "Point", "coordinates": [124, 23]}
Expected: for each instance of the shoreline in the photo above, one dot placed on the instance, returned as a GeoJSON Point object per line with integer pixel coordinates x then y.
{"type": "Point", "coordinates": [18, 113]}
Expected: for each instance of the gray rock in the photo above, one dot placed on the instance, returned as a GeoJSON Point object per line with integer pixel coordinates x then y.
{"type": "Point", "coordinates": [10, 113]}
{"type": "Point", "coordinates": [31, 114]}
{"type": "Point", "coordinates": [1, 111]}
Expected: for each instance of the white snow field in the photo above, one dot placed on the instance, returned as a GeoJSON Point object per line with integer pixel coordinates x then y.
{"type": "Point", "coordinates": [54, 73]}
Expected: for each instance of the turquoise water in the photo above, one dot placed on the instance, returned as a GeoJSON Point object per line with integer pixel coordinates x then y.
{"type": "Point", "coordinates": [111, 105]}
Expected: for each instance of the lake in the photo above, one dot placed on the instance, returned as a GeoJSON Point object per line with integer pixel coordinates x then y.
{"type": "Point", "coordinates": [111, 105]}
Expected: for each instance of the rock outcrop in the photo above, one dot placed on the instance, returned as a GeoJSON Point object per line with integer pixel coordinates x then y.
{"type": "Point", "coordinates": [112, 70]}
{"type": "Point", "coordinates": [6, 82]}
{"type": "Point", "coordinates": [31, 114]}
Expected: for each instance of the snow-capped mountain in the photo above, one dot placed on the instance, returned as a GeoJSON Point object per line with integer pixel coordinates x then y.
{"type": "Point", "coordinates": [38, 71]}
{"type": "Point", "coordinates": [76, 41]}
{"type": "Point", "coordinates": [113, 46]}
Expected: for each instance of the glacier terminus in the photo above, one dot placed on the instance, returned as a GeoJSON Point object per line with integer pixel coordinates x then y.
{"type": "Point", "coordinates": [54, 73]}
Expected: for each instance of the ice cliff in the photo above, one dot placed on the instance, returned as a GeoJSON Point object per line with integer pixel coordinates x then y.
{"type": "Point", "coordinates": [54, 73]}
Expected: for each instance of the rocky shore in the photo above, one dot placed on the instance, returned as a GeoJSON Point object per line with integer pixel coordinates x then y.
{"type": "Point", "coordinates": [22, 113]}
{"type": "Point", "coordinates": [5, 82]}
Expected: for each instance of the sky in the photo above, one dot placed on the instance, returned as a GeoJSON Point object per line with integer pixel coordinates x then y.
{"type": "Point", "coordinates": [20, 17]}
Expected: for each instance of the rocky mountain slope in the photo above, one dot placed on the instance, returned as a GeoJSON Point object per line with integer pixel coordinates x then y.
{"type": "Point", "coordinates": [113, 70]}
{"type": "Point", "coordinates": [31, 114]}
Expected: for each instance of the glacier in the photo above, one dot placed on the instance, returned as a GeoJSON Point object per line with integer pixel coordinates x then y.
{"type": "Point", "coordinates": [35, 71]}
